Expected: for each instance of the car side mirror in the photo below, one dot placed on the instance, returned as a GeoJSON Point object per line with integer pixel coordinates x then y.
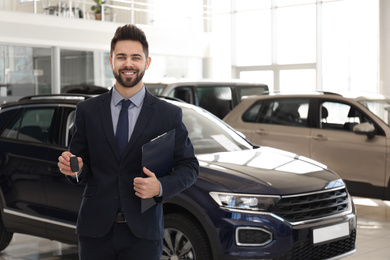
{"type": "Point", "coordinates": [365, 129]}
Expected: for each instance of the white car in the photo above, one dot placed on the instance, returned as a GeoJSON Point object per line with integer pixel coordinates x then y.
{"type": "Point", "coordinates": [349, 135]}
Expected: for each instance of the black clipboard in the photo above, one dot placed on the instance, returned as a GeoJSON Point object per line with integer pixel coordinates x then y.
{"type": "Point", "coordinates": [157, 156]}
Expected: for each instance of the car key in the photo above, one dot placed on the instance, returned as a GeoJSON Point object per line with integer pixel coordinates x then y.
{"type": "Point", "coordinates": [74, 166]}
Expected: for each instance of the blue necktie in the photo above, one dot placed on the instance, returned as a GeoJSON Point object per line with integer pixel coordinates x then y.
{"type": "Point", "coordinates": [122, 129]}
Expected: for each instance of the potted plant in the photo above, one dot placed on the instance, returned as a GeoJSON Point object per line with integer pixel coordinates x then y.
{"type": "Point", "coordinates": [98, 8]}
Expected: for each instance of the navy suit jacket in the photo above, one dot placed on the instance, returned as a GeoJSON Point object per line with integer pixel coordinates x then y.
{"type": "Point", "coordinates": [109, 179]}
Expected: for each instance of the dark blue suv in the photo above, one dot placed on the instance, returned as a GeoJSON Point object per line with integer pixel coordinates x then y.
{"type": "Point", "coordinates": [248, 203]}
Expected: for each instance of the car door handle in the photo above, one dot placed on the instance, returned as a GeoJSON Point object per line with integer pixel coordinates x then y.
{"type": "Point", "coordinates": [261, 131]}
{"type": "Point", "coordinates": [320, 137]}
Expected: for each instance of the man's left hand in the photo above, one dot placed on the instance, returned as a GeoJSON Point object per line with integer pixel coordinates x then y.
{"type": "Point", "coordinates": [147, 187]}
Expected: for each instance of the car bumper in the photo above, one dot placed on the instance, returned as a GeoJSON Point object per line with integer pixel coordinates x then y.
{"type": "Point", "coordinates": [288, 240]}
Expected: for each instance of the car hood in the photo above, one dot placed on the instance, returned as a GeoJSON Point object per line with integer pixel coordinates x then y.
{"type": "Point", "coordinates": [266, 171]}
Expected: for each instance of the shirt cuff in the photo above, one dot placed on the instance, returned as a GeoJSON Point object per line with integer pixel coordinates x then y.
{"type": "Point", "coordinates": [161, 191]}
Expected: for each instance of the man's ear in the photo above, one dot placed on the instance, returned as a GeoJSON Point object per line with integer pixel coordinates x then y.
{"type": "Point", "coordinates": [148, 60]}
{"type": "Point", "coordinates": [110, 59]}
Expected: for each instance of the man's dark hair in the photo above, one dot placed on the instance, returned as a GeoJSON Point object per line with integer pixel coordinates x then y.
{"type": "Point", "coordinates": [130, 32]}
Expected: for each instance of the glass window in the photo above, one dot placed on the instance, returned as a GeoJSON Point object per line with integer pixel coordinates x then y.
{"type": "Point", "coordinates": [345, 66]}
{"type": "Point", "coordinates": [70, 124]}
{"type": "Point", "coordinates": [281, 3]}
{"type": "Point", "coordinates": [11, 130]}
{"type": "Point", "coordinates": [24, 71]}
{"type": "Point", "coordinates": [77, 67]}
{"type": "Point", "coordinates": [244, 5]}
{"type": "Point", "coordinates": [298, 80]}
{"type": "Point", "coordinates": [187, 15]}
{"type": "Point", "coordinates": [296, 34]}
{"type": "Point", "coordinates": [250, 91]}
{"type": "Point", "coordinates": [183, 93]}
{"type": "Point", "coordinates": [251, 114]}
{"type": "Point", "coordinates": [381, 108]}
{"type": "Point", "coordinates": [217, 100]}
{"type": "Point", "coordinates": [173, 67]}
{"type": "Point", "coordinates": [288, 112]}
{"type": "Point", "coordinates": [33, 125]}
{"type": "Point", "coordinates": [340, 116]}
{"type": "Point", "coordinates": [155, 88]}
{"type": "Point", "coordinates": [209, 135]}
{"type": "Point", "coordinates": [265, 77]}
{"type": "Point", "coordinates": [253, 38]}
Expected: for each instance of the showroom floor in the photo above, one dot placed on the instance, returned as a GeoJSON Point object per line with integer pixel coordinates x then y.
{"type": "Point", "coordinates": [373, 238]}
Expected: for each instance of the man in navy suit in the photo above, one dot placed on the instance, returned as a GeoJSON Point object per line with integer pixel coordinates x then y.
{"type": "Point", "coordinates": [110, 224]}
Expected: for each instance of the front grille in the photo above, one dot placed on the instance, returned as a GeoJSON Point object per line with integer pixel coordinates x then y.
{"type": "Point", "coordinates": [306, 250]}
{"type": "Point", "coordinates": [311, 206]}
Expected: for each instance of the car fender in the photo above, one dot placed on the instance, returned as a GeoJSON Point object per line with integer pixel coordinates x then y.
{"type": "Point", "coordinates": [184, 203]}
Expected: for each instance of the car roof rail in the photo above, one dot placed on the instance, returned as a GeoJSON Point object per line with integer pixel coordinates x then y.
{"type": "Point", "coordinates": [57, 96]}
{"type": "Point", "coordinates": [310, 92]}
{"type": "Point", "coordinates": [330, 93]}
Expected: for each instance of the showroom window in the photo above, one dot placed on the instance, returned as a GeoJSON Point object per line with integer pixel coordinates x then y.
{"type": "Point", "coordinates": [305, 45]}
{"type": "Point", "coordinates": [24, 71]}
{"type": "Point", "coordinates": [85, 68]}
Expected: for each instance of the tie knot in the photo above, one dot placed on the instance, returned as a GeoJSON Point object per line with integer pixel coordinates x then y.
{"type": "Point", "coordinates": [125, 103]}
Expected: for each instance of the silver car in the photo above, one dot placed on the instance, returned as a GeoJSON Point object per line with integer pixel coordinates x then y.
{"type": "Point", "coordinates": [351, 135]}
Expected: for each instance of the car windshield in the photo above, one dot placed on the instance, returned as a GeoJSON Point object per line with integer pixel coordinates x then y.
{"type": "Point", "coordinates": [209, 134]}
{"type": "Point", "coordinates": [380, 108]}
{"type": "Point", "coordinates": [155, 88]}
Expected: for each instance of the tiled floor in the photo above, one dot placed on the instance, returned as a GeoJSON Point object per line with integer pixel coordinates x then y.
{"type": "Point", "coordinates": [373, 234]}
{"type": "Point", "coordinates": [373, 238]}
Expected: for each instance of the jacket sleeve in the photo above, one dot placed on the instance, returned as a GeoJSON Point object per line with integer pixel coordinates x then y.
{"type": "Point", "coordinates": [78, 145]}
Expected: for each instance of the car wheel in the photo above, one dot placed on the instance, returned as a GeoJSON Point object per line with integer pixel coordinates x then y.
{"type": "Point", "coordinates": [5, 236]}
{"type": "Point", "coordinates": [184, 239]}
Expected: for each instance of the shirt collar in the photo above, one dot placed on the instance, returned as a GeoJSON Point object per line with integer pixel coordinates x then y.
{"type": "Point", "coordinates": [137, 99]}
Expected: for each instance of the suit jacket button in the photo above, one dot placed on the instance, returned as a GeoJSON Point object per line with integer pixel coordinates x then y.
{"type": "Point", "coordinates": [116, 197]}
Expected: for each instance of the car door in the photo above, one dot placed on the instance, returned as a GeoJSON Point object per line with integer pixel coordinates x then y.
{"type": "Point", "coordinates": [281, 123]}
{"type": "Point", "coordinates": [63, 198]}
{"type": "Point", "coordinates": [25, 141]}
{"type": "Point", "coordinates": [359, 160]}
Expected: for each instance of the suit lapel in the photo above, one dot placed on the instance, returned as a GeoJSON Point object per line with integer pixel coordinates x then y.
{"type": "Point", "coordinates": [142, 121]}
{"type": "Point", "coordinates": [105, 112]}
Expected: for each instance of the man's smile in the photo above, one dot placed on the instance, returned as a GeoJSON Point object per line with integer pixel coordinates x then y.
{"type": "Point", "coordinates": [128, 73]}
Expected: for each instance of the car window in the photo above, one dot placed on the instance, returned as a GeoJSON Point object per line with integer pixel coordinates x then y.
{"type": "Point", "coordinates": [251, 114]}
{"type": "Point", "coordinates": [183, 93]}
{"type": "Point", "coordinates": [31, 125]}
{"type": "Point", "coordinates": [340, 116]}
{"type": "Point", "coordinates": [381, 108]}
{"type": "Point", "coordinates": [217, 100]}
{"type": "Point", "coordinates": [288, 112]}
{"type": "Point", "coordinates": [155, 88]}
{"type": "Point", "coordinates": [251, 91]}
{"type": "Point", "coordinates": [69, 127]}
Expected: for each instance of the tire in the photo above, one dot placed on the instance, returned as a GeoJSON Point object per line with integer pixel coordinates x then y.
{"type": "Point", "coordinates": [184, 238]}
{"type": "Point", "coordinates": [5, 236]}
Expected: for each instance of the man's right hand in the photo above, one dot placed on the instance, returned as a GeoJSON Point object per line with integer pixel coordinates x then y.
{"type": "Point", "coordinates": [64, 163]}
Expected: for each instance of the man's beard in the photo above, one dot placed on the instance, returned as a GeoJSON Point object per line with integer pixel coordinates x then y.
{"type": "Point", "coordinates": [128, 83]}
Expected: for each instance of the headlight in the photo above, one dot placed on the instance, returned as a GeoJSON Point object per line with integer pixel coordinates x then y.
{"type": "Point", "coordinates": [244, 201]}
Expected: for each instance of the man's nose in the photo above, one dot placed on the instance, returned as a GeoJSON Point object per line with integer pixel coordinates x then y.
{"type": "Point", "coordinates": [129, 63]}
